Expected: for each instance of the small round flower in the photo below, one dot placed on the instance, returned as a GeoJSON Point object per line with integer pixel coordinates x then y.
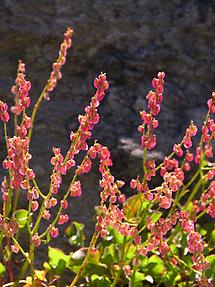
{"type": "Point", "coordinates": [36, 240]}
{"type": "Point", "coordinates": [54, 232]}
{"type": "Point", "coordinates": [15, 248]}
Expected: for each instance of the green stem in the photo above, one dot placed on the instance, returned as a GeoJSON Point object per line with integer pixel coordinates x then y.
{"type": "Point", "coordinates": [22, 273]}
{"type": "Point", "coordinates": [8, 203]}
{"type": "Point", "coordinates": [31, 255]}
{"type": "Point", "coordinates": [25, 254]}
{"type": "Point", "coordinates": [16, 199]}
{"type": "Point", "coordinates": [38, 189]}
{"type": "Point", "coordinates": [193, 193]}
{"type": "Point", "coordinates": [60, 207]}
{"type": "Point", "coordinates": [201, 214]}
{"type": "Point", "coordinates": [144, 163]}
{"type": "Point", "coordinates": [15, 124]}
{"type": "Point", "coordinates": [191, 181]}
{"type": "Point", "coordinates": [42, 208]}
{"type": "Point", "coordinates": [85, 262]}
{"type": "Point", "coordinates": [36, 107]}
{"type": "Point", "coordinates": [116, 278]}
{"type": "Point", "coordinates": [185, 264]}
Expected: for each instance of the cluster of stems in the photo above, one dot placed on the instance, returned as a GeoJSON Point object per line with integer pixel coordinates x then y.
{"type": "Point", "coordinates": [181, 202]}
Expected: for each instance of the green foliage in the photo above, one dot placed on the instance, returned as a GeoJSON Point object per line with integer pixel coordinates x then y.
{"type": "Point", "coordinates": [2, 269]}
{"type": "Point", "coordinates": [58, 261]}
{"type": "Point", "coordinates": [21, 217]}
{"type": "Point", "coordinates": [75, 234]}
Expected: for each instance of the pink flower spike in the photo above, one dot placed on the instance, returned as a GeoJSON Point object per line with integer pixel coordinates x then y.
{"type": "Point", "coordinates": [4, 116]}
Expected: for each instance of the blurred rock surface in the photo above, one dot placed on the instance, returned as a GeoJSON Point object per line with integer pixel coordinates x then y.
{"type": "Point", "coordinates": [130, 40]}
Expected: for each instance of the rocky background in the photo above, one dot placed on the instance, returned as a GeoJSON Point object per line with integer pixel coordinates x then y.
{"type": "Point", "coordinates": [130, 40]}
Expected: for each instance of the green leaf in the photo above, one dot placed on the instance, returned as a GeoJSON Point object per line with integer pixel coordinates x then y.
{"type": "Point", "coordinates": [118, 237]}
{"type": "Point", "coordinates": [138, 277]}
{"type": "Point", "coordinates": [173, 248]}
{"type": "Point", "coordinates": [213, 236]}
{"type": "Point", "coordinates": [61, 266]}
{"type": "Point", "coordinates": [133, 204]}
{"type": "Point", "coordinates": [143, 262]}
{"type": "Point", "coordinates": [55, 255]}
{"type": "Point", "coordinates": [184, 284]}
{"type": "Point", "coordinates": [99, 281]}
{"type": "Point", "coordinates": [75, 233]}
{"type": "Point", "coordinates": [156, 216]}
{"type": "Point", "coordinates": [21, 217]}
{"type": "Point", "coordinates": [94, 258]}
{"type": "Point", "coordinates": [2, 269]}
{"type": "Point", "coordinates": [99, 269]}
{"type": "Point", "coordinates": [109, 255]}
{"type": "Point", "coordinates": [47, 266]}
{"type": "Point", "coordinates": [155, 266]}
{"type": "Point", "coordinates": [172, 276]}
{"type": "Point", "coordinates": [210, 272]}
{"type": "Point", "coordinates": [131, 252]}
{"type": "Point", "coordinates": [201, 230]}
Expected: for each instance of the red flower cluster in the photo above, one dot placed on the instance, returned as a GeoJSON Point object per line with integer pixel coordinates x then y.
{"type": "Point", "coordinates": [78, 139]}
{"type": "Point", "coordinates": [158, 231]}
{"type": "Point", "coordinates": [18, 158]}
{"type": "Point", "coordinates": [19, 77]}
{"type": "Point", "coordinates": [148, 139]}
{"type": "Point", "coordinates": [56, 73]}
{"type": "Point", "coordinates": [190, 132]}
{"type": "Point", "coordinates": [206, 201]}
{"type": "Point", "coordinates": [211, 103]}
{"type": "Point", "coordinates": [4, 115]}
{"type": "Point", "coordinates": [23, 100]}
{"type": "Point", "coordinates": [195, 242]}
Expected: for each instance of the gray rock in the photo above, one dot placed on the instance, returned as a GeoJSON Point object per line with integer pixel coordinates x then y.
{"type": "Point", "coordinates": [131, 41]}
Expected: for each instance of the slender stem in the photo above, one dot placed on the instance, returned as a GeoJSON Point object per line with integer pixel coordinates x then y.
{"type": "Point", "coordinates": [42, 208]}
{"type": "Point", "coordinates": [191, 181]}
{"type": "Point", "coordinates": [8, 202]}
{"type": "Point", "coordinates": [22, 273]}
{"type": "Point", "coordinates": [116, 278]}
{"type": "Point", "coordinates": [144, 163]}
{"type": "Point", "coordinates": [15, 124]}
{"type": "Point", "coordinates": [185, 264]}
{"type": "Point", "coordinates": [16, 199]}
{"type": "Point", "coordinates": [36, 107]}
{"type": "Point", "coordinates": [193, 193]}
{"type": "Point", "coordinates": [12, 283]}
{"type": "Point", "coordinates": [8, 259]}
{"type": "Point", "coordinates": [31, 254]}
{"type": "Point", "coordinates": [85, 262]}
{"type": "Point", "coordinates": [133, 276]}
{"type": "Point", "coordinates": [38, 189]}
{"type": "Point", "coordinates": [50, 193]}
{"type": "Point", "coordinates": [201, 214]}
{"type": "Point", "coordinates": [25, 254]}
{"type": "Point", "coordinates": [60, 207]}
